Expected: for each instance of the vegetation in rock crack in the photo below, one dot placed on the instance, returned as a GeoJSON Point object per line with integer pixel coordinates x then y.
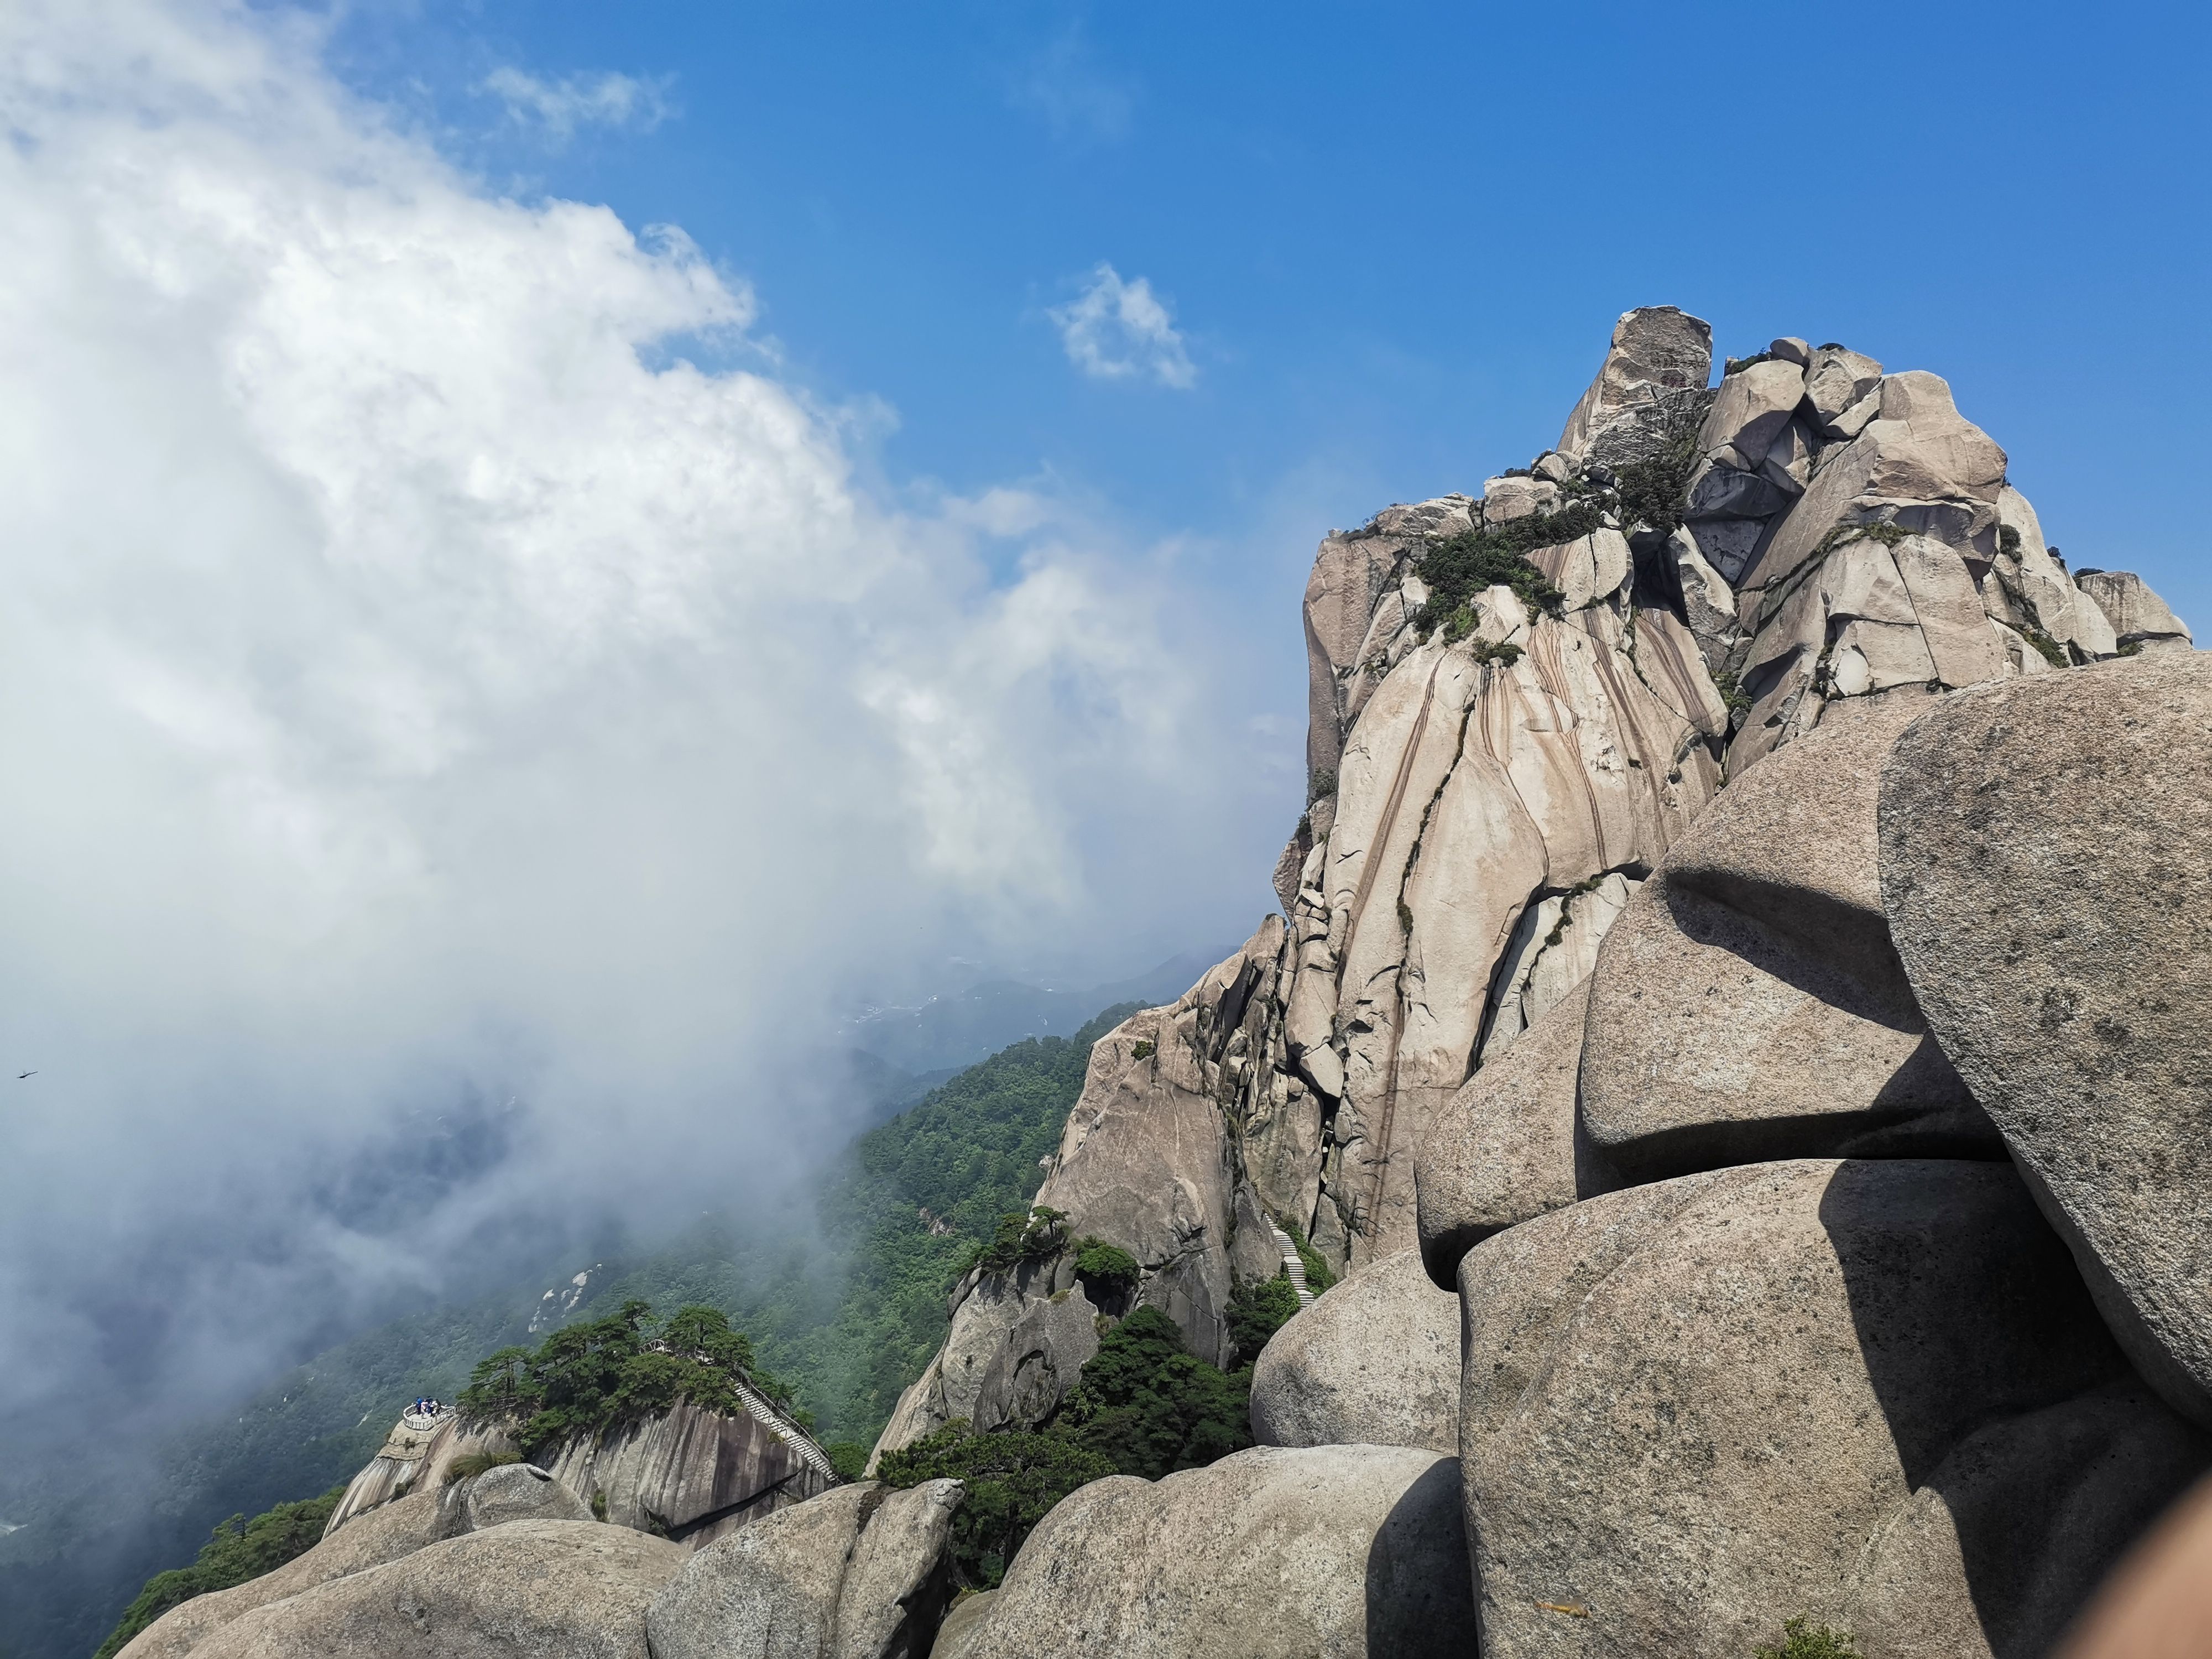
{"type": "Point", "coordinates": [1733, 696]}
{"type": "Point", "coordinates": [1142, 1050]}
{"type": "Point", "coordinates": [1022, 1236]}
{"type": "Point", "coordinates": [1803, 1639]}
{"type": "Point", "coordinates": [1654, 490]}
{"type": "Point", "coordinates": [1258, 1307]}
{"type": "Point", "coordinates": [1503, 655]}
{"type": "Point", "coordinates": [238, 1550]}
{"type": "Point", "coordinates": [587, 1377]}
{"type": "Point", "coordinates": [1107, 1271]}
{"type": "Point", "coordinates": [1455, 569]}
{"type": "Point", "coordinates": [1013, 1478]}
{"type": "Point", "coordinates": [475, 1463]}
{"type": "Point", "coordinates": [1145, 1405]}
{"type": "Point", "coordinates": [849, 1458]}
{"type": "Point", "coordinates": [1321, 785]}
{"type": "Point", "coordinates": [2050, 651]}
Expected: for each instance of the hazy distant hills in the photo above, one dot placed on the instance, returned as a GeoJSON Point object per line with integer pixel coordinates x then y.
{"type": "Point", "coordinates": [948, 1032]}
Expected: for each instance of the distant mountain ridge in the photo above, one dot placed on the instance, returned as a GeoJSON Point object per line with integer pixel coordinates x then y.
{"type": "Point", "coordinates": [958, 1030]}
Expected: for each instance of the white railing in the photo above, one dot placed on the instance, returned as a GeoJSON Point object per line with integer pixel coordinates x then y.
{"type": "Point", "coordinates": [789, 1432]}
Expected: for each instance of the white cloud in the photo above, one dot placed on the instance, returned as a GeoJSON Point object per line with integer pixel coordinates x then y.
{"type": "Point", "coordinates": [1119, 330]}
{"type": "Point", "coordinates": [416, 690]}
{"type": "Point", "coordinates": [560, 106]}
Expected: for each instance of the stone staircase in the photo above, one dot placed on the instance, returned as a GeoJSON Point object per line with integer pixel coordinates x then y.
{"type": "Point", "coordinates": [786, 1430]}
{"type": "Point", "coordinates": [1293, 1263]}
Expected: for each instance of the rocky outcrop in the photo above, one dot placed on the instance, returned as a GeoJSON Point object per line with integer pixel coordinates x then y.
{"type": "Point", "coordinates": [531, 1588]}
{"type": "Point", "coordinates": [2079, 1011]}
{"type": "Point", "coordinates": [1815, 546]}
{"type": "Point", "coordinates": [1861, 1391]}
{"type": "Point", "coordinates": [513, 1492]}
{"type": "Point", "coordinates": [1270, 1553]}
{"type": "Point", "coordinates": [1374, 1362]}
{"type": "Point", "coordinates": [691, 1474]}
{"type": "Point", "coordinates": [414, 1458]}
{"type": "Point", "coordinates": [2138, 617]}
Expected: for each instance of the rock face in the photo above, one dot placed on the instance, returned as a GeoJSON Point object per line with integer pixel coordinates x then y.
{"type": "Point", "coordinates": [693, 1475]}
{"type": "Point", "coordinates": [415, 1460]}
{"type": "Point", "coordinates": [2078, 1008]}
{"type": "Point", "coordinates": [528, 1589]}
{"type": "Point", "coordinates": [1813, 547]}
{"type": "Point", "coordinates": [857, 1573]}
{"type": "Point", "coordinates": [1750, 1006]}
{"type": "Point", "coordinates": [1861, 1391]}
{"type": "Point", "coordinates": [1270, 1553]}
{"type": "Point", "coordinates": [1374, 1362]}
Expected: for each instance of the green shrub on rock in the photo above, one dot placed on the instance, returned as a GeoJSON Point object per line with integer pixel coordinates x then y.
{"type": "Point", "coordinates": [1013, 1477]}
{"type": "Point", "coordinates": [1258, 1307]}
{"type": "Point", "coordinates": [1150, 1408]}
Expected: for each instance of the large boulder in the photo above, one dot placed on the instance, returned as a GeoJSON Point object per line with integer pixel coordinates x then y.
{"type": "Point", "coordinates": [1660, 356]}
{"type": "Point", "coordinates": [519, 1591]}
{"type": "Point", "coordinates": [1504, 1149]}
{"type": "Point", "coordinates": [513, 1492]}
{"type": "Point", "coordinates": [2044, 867]}
{"type": "Point", "coordinates": [1270, 1553]}
{"type": "Point", "coordinates": [900, 1579]}
{"type": "Point", "coordinates": [1749, 1004]}
{"type": "Point", "coordinates": [766, 1591]}
{"type": "Point", "coordinates": [2138, 615]}
{"type": "Point", "coordinates": [1872, 1393]}
{"type": "Point", "coordinates": [861, 1572]}
{"type": "Point", "coordinates": [693, 1474]}
{"type": "Point", "coordinates": [1374, 1362]}
{"type": "Point", "coordinates": [385, 1533]}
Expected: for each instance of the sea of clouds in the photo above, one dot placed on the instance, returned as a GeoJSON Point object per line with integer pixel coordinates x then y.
{"type": "Point", "coordinates": [458, 690]}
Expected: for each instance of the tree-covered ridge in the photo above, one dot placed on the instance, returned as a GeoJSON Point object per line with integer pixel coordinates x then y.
{"type": "Point", "coordinates": [967, 1156]}
{"type": "Point", "coordinates": [588, 1378]}
{"type": "Point", "coordinates": [238, 1549]}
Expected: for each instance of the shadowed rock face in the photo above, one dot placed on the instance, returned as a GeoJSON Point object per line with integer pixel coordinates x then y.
{"type": "Point", "coordinates": [1270, 1553]}
{"type": "Point", "coordinates": [1874, 1392]}
{"type": "Point", "coordinates": [2045, 864]}
{"type": "Point", "coordinates": [689, 1474]}
{"type": "Point", "coordinates": [1750, 1006]}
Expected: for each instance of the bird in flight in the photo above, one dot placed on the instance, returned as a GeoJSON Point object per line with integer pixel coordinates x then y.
{"type": "Point", "coordinates": [19, 1076]}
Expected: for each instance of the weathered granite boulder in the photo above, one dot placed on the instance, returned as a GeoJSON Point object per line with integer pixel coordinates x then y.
{"type": "Point", "coordinates": [692, 1474]}
{"type": "Point", "coordinates": [513, 1492]}
{"type": "Point", "coordinates": [528, 1589]}
{"type": "Point", "coordinates": [2044, 866]}
{"type": "Point", "coordinates": [1270, 1553]}
{"type": "Point", "coordinates": [861, 1572]}
{"type": "Point", "coordinates": [767, 1591]}
{"type": "Point", "coordinates": [900, 1579]}
{"type": "Point", "coordinates": [1873, 1392]}
{"type": "Point", "coordinates": [1658, 354]}
{"type": "Point", "coordinates": [1753, 405]}
{"type": "Point", "coordinates": [414, 1460]}
{"type": "Point", "coordinates": [1504, 1150]}
{"type": "Point", "coordinates": [1374, 1362]}
{"type": "Point", "coordinates": [2138, 616]}
{"type": "Point", "coordinates": [955, 1637]}
{"type": "Point", "coordinates": [384, 1533]}
{"type": "Point", "coordinates": [1749, 1004]}
{"type": "Point", "coordinates": [2159, 1604]}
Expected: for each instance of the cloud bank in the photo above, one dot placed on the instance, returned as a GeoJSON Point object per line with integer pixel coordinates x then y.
{"type": "Point", "coordinates": [1121, 331]}
{"type": "Point", "coordinates": [472, 725]}
{"type": "Point", "coordinates": [560, 106]}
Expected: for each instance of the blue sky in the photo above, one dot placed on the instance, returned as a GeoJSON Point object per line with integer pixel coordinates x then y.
{"type": "Point", "coordinates": [1394, 237]}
